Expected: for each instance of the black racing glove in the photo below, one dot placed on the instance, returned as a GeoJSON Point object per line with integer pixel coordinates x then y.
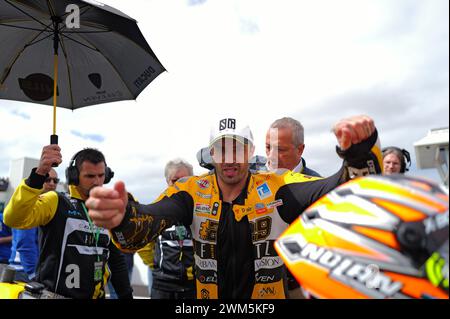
{"type": "Point", "coordinates": [363, 158]}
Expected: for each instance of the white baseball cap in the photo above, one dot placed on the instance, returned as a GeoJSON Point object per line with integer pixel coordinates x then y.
{"type": "Point", "coordinates": [231, 128]}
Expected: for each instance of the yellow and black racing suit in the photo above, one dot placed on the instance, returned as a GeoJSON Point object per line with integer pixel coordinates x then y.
{"type": "Point", "coordinates": [233, 242]}
{"type": "Point", "coordinates": [76, 257]}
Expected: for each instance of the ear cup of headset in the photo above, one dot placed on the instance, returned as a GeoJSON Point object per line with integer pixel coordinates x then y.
{"type": "Point", "coordinates": [109, 174]}
{"type": "Point", "coordinates": [72, 175]}
{"type": "Point", "coordinates": [407, 159]}
{"type": "Point", "coordinates": [402, 165]}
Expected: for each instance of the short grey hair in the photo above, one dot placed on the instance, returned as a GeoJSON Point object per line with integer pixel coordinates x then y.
{"type": "Point", "coordinates": [298, 132]}
{"type": "Point", "coordinates": [176, 164]}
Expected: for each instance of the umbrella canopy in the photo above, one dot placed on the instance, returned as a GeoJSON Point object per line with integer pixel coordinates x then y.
{"type": "Point", "coordinates": [105, 59]}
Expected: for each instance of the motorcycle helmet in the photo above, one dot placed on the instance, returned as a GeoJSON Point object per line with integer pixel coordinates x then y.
{"type": "Point", "coordinates": [372, 237]}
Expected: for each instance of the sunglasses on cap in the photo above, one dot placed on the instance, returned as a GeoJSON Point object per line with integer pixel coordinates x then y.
{"type": "Point", "coordinates": [55, 180]}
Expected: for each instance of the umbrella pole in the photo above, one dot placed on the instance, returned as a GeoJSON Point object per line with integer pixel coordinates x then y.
{"type": "Point", "coordinates": [56, 22]}
{"type": "Point", "coordinates": [54, 137]}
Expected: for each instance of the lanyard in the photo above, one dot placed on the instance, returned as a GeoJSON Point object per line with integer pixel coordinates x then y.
{"type": "Point", "coordinates": [96, 233]}
{"type": "Point", "coordinates": [181, 234]}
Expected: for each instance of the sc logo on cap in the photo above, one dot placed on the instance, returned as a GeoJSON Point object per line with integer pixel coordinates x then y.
{"type": "Point", "coordinates": [227, 124]}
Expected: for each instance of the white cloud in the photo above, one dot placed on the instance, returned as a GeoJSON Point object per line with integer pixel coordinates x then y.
{"type": "Point", "coordinates": [260, 59]}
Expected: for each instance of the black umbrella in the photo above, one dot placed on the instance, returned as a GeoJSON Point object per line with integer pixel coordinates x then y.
{"type": "Point", "coordinates": [99, 54]}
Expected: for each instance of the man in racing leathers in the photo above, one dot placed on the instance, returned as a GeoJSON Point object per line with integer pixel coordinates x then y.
{"type": "Point", "coordinates": [235, 216]}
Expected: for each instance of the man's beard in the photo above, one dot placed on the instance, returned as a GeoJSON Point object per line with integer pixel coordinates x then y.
{"type": "Point", "coordinates": [232, 173]}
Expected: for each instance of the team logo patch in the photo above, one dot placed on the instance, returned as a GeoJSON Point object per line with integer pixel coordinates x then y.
{"type": "Point", "coordinates": [202, 208]}
{"type": "Point", "coordinates": [266, 178]}
{"type": "Point", "coordinates": [183, 179]}
{"type": "Point", "coordinates": [241, 211]}
{"type": "Point", "coordinates": [202, 195]}
{"type": "Point", "coordinates": [274, 204]}
{"type": "Point", "coordinates": [244, 210]}
{"type": "Point", "coordinates": [260, 208]}
{"type": "Point", "coordinates": [74, 213]}
{"type": "Point", "coordinates": [207, 279]}
{"type": "Point", "coordinates": [203, 183]}
{"type": "Point", "coordinates": [263, 191]}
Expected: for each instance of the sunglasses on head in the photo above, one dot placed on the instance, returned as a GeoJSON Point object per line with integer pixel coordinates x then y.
{"type": "Point", "coordinates": [55, 180]}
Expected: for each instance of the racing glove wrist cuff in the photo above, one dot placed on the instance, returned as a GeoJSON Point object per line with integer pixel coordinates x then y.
{"type": "Point", "coordinates": [125, 221]}
{"type": "Point", "coordinates": [361, 159]}
{"type": "Point", "coordinates": [35, 180]}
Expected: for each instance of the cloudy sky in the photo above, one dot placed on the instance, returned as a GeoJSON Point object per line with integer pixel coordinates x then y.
{"type": "Point", "coordinates": [259, 60]}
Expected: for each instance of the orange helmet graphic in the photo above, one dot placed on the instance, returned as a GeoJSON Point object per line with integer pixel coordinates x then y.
{"type": "Point", "coordinates": [373, 237]}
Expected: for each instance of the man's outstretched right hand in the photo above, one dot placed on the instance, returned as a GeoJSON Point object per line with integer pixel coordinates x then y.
{"type": "Point", "coordinates": [107, 206]}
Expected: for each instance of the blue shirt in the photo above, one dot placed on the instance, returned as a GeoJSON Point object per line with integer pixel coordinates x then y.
{"type": "Point", "coordinates": [25, 251]}
{"type": "Point", "coordinates": [5, 249]}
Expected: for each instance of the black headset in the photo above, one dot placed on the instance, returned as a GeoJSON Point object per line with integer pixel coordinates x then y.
{"type": "Point", "coordinates": [406, 159]}
{"type": "Point", "coordinates": [204, 158]}
{"type": "Point", "coordinates": [73, 174]}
